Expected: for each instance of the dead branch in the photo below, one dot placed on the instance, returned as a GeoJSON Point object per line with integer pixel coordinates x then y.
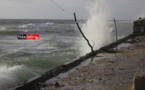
{"type": "Point", "coordinates": [116, 32]}
{"type": "Point", "coordinates": [83, 34]}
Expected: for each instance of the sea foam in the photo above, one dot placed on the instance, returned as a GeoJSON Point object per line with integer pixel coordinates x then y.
{"type": "Point", "coordinates": [96, 28]}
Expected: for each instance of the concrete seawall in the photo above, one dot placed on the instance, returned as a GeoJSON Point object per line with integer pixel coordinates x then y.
{"type": "Point", "coordinates": [32, 84]}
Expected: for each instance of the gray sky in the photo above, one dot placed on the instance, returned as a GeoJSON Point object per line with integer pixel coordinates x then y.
{"type": "Point", "coordinates": [45, 9]}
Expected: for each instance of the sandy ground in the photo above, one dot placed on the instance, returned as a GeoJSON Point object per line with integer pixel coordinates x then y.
{"type": "Point", "coordinates": [106, 73]}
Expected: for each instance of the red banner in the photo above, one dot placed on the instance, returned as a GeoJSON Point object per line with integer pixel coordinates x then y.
{"type": "Point", "coordinates": [32, 37]}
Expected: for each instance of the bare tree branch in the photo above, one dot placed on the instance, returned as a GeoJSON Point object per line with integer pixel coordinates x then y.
{"type": "Point", "coordinates": [116, 32]}
{"type": "Point", "coordinates": [83, 34]}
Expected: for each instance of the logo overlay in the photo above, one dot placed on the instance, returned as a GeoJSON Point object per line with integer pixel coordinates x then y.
{"type": "Point", "coordinates": [28, 36]}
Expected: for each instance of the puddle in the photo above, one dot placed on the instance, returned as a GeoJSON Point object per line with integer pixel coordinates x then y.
{"type": "Point", "coordinates": [124, 45]}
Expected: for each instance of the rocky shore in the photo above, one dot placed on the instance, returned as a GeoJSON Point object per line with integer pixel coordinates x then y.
{"type": "Point", "coordinates": [105, 71]}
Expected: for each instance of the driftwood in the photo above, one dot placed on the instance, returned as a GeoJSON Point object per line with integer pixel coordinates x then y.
{"type": "Point", "coordinates": [116, 31]}
{"type": "Point", "coordinates": [83, 34]}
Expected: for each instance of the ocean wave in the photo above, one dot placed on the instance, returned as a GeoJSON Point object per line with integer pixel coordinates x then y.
{"type": "Point", "coordinates": [30, 25]}
{"type": "Point", "coordinates": [11, 75]}
{"type": "Point", "coordinates": [46, 24]}
{"type": "Point", "coordinates": [49, 23]}
{"type": "Point", "coordinates": [2, 28]}
{"type": "Point", "coordinates": [25, 30]}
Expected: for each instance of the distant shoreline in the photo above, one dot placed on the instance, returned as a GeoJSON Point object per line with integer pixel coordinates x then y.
{"type": "Point", "coordinates": [57, 19]}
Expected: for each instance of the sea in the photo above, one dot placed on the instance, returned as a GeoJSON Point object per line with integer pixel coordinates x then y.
{"type": "Point", "coordinates": [21, 60]}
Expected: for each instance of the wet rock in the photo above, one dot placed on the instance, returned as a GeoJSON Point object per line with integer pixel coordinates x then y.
{"type": "Point", "coordinates": [111, 61]}
{"type": "Point", "coordinates": [111, 74]}
{"type": "Point", "coordinates": [50, 84]}
{"type": "Point", "coordinates": [100, 79]}
{"type": "Point", "coordinates": [57, 84]}
{"type": "Point", "coordinates": [42, 84]}
{"type": "Point", "coordinates": [84, 70]}
{"type": "Point", "coordinates": [108, 50]}
{"type": "Point", "coordinates": [84, 79]}
{"type": "Point", "coordinates": [109, 78]}
{"type": "Point", "coordinates": [121, 68]}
